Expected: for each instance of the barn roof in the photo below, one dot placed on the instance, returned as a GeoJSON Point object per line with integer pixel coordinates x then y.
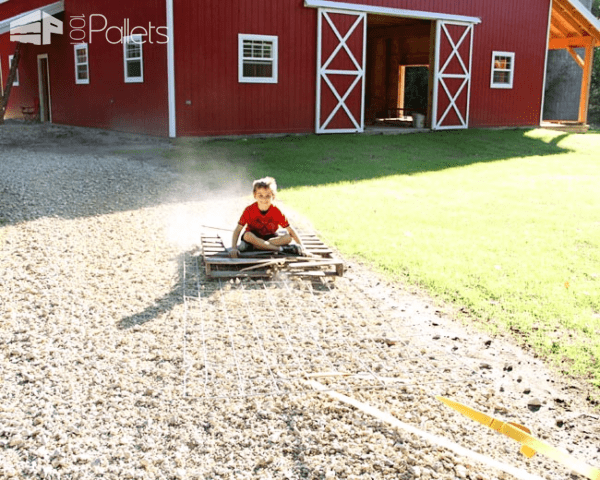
{"type": "Point", "coordinates": [573, 25]}
{"type": "Point", "coordinates": [50, 9]}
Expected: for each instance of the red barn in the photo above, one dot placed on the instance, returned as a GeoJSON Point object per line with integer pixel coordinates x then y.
{"type": "Point", "coordinates": [219, 67]}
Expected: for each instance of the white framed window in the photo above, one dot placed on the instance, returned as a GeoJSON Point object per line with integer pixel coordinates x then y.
{"type": "Point", "coordinates": [257, 58]}
{"type": "Point", "coordinates": [503, 69]}
{"type": "Point", "coordinates": [16, 80]}
{"type": "Point", "coordinates": [82, 64]}
{"type": "Point", "coordinates": [133, 59]}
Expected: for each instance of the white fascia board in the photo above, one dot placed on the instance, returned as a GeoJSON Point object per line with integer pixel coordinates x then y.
{"type": "Point", "coordinates": [50, 9]}
{"type": "Point", "coordinates": [396, 12]}
{"type": "Point", "coordinates": [587, 15]}
{"type": "Point", "coordinates": [171, 70]}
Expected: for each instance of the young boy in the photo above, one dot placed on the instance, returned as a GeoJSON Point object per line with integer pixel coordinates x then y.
{"type": "Point", "coordinates": [262, 219]}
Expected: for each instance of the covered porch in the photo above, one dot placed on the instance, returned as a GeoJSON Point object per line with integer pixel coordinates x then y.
{"type": "Point", "coordinates": [572, 26]}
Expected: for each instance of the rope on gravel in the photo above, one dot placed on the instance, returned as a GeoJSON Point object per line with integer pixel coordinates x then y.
{"type": "Point", "coordinates": [434, 439]}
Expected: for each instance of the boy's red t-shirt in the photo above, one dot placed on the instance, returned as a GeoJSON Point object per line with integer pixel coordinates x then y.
{"type": "Point", "coordinates": [263, 223]}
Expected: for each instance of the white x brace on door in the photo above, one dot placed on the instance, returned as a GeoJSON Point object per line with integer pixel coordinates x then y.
{"type": "Point", "coordinates": [341, 54]}
{"type": "Point", "coordinates": [452, 75]}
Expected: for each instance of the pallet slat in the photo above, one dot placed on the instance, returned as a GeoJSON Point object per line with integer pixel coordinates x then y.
{"type": "Point", "coordinates": [218, 264]}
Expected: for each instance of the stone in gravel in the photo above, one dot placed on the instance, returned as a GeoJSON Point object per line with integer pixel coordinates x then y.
{"type": "Point", "coordinates": [416, 471]}
{"type": "Point", "coordinates": [534, 404]}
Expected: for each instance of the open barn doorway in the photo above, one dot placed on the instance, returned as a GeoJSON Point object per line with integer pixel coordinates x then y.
{"type": "Point", "coordinates": [398, 72]}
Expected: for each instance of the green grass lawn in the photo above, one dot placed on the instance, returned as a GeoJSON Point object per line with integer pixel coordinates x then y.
{"type": "Point", "coordinates": [504, 225]}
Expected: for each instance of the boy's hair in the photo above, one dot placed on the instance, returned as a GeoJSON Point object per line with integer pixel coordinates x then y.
{"type": "Point", "coordinates": [266, 182]}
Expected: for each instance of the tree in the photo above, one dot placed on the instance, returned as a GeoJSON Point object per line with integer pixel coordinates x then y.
{"type": "Point", "coordinates": [594, 109]}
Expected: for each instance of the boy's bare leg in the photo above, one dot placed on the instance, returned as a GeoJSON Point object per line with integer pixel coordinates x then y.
{"type": "Point", "coordinates": [273, 244]}
{"type": "Point", "coordinates": [281, 240]}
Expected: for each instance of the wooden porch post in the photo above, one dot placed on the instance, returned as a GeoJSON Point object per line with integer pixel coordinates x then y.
{"type": "Point", "coordinates": [401, 87]}
{"type": "Point", "coordinates": [586, 79]}
{"type": "Point", "coordinates": [11, 78]}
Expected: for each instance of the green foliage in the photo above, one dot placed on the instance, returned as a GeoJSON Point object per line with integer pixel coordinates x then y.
{"type": "Point", "coordinates": [594, 109]}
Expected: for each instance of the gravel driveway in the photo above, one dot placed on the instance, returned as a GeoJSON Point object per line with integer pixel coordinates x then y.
{"type": "Point", "coordinates": [118, 359]}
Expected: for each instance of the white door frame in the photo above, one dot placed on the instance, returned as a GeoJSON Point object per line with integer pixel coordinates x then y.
{"type": "Point", "coordinates": [323, 71]}
{"type": "Point", "coordinates": [440, 75]}
{"type": "Point", "coordinates": [41, 93]}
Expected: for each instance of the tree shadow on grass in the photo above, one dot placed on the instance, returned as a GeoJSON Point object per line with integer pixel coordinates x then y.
{"type": "Point", "coordinates": [314, 160]}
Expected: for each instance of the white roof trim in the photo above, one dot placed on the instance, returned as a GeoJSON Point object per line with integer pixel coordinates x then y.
{"type": "Point", "coordinates": [396, 12]}
{"type": "Point", "coordinates": [586, 13]}
{"type": "Point", "coordinates": [50, 9]}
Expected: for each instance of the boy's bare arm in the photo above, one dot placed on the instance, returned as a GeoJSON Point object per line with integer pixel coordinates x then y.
{"type": "Point", "coordinates": [234, 239]}
{"type": "Point", "coordinates": [296, 238]}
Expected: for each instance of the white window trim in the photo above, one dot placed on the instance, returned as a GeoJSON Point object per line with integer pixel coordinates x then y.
{"type": "Point", "coordinates": [265, 38]}
{"type": "Point", "coordinates": [511, 70]}
{"type": "Point", "coordinates": [82, 46]}
{"type": "Point", "coordinates": [139, 40]}
{"type": "Point", "coordinates": [16, 80]}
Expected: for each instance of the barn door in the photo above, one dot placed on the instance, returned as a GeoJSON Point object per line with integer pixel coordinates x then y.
{"type": "Point", "coordinates": [341, 46]}
{"type": "Point", "coordinates": [452, 75]}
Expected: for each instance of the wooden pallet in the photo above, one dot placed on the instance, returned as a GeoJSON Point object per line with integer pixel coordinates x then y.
{"type": "Point", "coordinates": [320, 262]}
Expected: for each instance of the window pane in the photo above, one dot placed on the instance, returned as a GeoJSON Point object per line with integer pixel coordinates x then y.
{"type": "Point", "coordinates": [502, 77]}
{"type": "Point", "coordinates": [134, 68]}
{"type": "Point", "coordinates": [502, 63]}
{"type": "Point", "coordinates": [267, 50]}
{"type": "Point", "coordinates": [81, 55]}
{"type": "Point", "coordinates": [258, 49]}
{"type": "Point", "coordinates": [258, 69]}
{"type": "Point", "coordinates": [133, 50]}
{"type": "Point", "coordinates": [82, 72]}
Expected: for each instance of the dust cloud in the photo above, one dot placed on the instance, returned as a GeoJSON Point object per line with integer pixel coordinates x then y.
{"type": "Point", "coordinates": [209, 197]}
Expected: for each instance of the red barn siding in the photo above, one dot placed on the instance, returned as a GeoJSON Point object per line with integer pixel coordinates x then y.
{"type": "Point", "coordinates": [107, 101]}
{"type": "Point", "coordinates": [16, 7]}
{"type": "Point", "coordinates": [210, 100]}
{"type": "Point", "coordinates": [507, 28]}
{"type": "Point", "coordinates": [27, 91]}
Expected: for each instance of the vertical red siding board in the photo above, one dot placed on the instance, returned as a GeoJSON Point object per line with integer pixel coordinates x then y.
{"type": "Point", "coordinates": [282, 35]}
{"type": "Point", "coordinates": [183, 76]}
{"type": "Point", "coordinates": [258, 96]}
{"type": "Point", "coordinates": [201, 111]}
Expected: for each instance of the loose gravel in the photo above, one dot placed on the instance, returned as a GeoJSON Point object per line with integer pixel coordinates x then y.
{"type": "Point", "coordinates": [119, 359]}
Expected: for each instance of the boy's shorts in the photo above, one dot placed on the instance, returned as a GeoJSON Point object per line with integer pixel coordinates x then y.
{"type": "Point", "coordinates": [248, 247]}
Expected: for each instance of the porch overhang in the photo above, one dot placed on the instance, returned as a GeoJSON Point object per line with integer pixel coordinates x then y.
{"type": "Point", "coordinates": [572, 26]}
{"type": "Point", "coordinates": [396, 12]}
{"type": "Point", "coordinates": [50, 9]}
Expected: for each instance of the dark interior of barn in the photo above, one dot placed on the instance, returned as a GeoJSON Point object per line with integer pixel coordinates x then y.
{"type": "Point", "coordinates": [397, 71]}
